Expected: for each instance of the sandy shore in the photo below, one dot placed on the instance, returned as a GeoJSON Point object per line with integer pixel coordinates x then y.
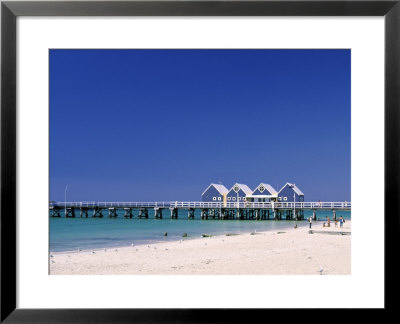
{"type": "Point", "coordinates": [292, 251]}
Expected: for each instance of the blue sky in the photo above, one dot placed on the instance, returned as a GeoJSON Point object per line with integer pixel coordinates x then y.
{"type": "Point", "coordinates": [160, 125]}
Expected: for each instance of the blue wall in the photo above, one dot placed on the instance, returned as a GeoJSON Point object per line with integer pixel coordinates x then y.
{"type": "Point", "coordinates": [261, 199]}
{"type": "Point", "coordinates": [233, 194]}
{"type": "Point", "coordinates": [210, 193]}
{"type": "Point", "coordinates": [288, 192]}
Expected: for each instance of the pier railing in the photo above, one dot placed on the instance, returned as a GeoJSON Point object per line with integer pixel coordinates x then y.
{"type": "Point", "coordinates": [199, 204]}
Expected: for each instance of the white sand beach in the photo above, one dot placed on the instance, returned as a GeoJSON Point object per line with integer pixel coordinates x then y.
{"type": "Point", "coordinates": [292, 251]}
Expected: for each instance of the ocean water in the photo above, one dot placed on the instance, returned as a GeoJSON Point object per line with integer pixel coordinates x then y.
{"type": "Point", "coordinates": [69, 234]}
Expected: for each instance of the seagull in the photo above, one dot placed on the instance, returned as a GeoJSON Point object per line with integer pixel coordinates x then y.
{"type": "Point", "coordinates": [105, 249]}
{"type": "Point", "coordinates": [148, 246]}
{"type": "Point", "coordinates": [116, 250]}
{"type": "Point", "coordinates": [79, 250]}
{"type": "Point", "coordinates": [155, 248]}
{"type": "Point", "coordinates": [321, 270]}
{"type": "Point", "coordinates": [132, 244]}
{"type": "Point", "coordinates": [93, 252]}
{"type": "Point", "coordinates": [166, 249]}
{"type": "Point", "coordinates": [52, 261]}
{"type": "Point", "coordinates": [51, 256]}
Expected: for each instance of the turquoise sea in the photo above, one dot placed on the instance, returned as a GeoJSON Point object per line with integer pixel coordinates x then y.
{"type": "Point", "coordinates": [69, 234]}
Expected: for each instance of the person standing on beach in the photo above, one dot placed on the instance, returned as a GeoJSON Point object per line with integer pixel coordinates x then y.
{"type": "Point", "coordinates": [341, 221]}
{"type": "Point", "coordinates": [310, 221]}
{"type": "Point", "coordinates": [329, 222]}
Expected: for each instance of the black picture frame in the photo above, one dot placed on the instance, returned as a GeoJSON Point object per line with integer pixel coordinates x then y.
{"type": "Point", "coordinates": [10, 10]}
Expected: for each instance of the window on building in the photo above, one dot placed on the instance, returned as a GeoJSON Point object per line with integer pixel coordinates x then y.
{"type": "Point", "coordinates": [285, 198]}
{"type": "Point", "coordinates": [280, 198]}
{"type": "Point", "coordinates": [229, 198]}
{"type": "Point", "coordinates": [219, 198]}
{"type": "Point", "coordinates": [233, 198]}
{"type": "Point", "coordinates": [214, 198]}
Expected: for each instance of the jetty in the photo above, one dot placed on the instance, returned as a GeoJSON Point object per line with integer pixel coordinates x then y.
{"type": "Point", "coordinates": [208, 210]}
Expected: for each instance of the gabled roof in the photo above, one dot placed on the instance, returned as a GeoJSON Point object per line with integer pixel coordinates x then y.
{"type": "Point", "coordinates": [268, 187]}
{"type": "Point", "coordinates": [244, 188]}
{"type": "Point", "coordinates": [294, 187]}
{"type": "Point", "coordinates": [220, 188]}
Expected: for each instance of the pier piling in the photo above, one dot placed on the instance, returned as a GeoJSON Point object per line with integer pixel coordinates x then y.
{"type": "Point", "coordinates": [70, 213]}
{"type": "Point", "coordinates": [112, 212]}
{"type": "Point", "coordinates": [97, 212]}
{"type": "Point", "coordinates": [158, 213]}
{"type": "Point", "coordinates": [191, 213]}
{"type": "Point", "coordinates": [174, 213]}
{"type": "Point", "coordinates": [143, 213]}
{"type": "Point", "coordinates": [84, 212]}
{"type": "Point", "coordinates": [223, 210]}
{"type": "Point", "coordinates": [128, 213]}
{"type": "Point", "coordinates": [55, 212]}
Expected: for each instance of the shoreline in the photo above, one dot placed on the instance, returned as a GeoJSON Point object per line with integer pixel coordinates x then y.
{"type": "Point", "coordinates": [288, 225]}
{"type": "Point", "coordinates": [278, 251]}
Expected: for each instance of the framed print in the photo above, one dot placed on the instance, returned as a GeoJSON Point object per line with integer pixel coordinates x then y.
{"type": "Point", "coordinates": [162, 159]}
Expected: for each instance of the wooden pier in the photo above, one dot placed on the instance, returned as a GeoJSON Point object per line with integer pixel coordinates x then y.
{"type": "Point", "coordinates": [208, 210]}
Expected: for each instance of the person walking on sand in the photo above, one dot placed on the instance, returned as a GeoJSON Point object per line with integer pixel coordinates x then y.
{"type": "Point", "coordinates": [341, 221]}
{"type": "Point", "coordinates": [329, 222]}
{"type": "Point", "coordinates": [310, 221]}
{"type": "Point", "coordinates": [335, 222]}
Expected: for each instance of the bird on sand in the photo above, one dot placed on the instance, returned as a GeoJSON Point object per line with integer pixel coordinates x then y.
{"type": "Point", "coordinates": [321, 270]}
